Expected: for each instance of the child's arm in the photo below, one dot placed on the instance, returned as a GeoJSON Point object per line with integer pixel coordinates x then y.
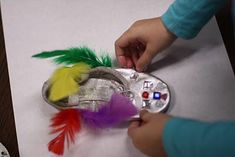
{"type": "Point", "coordinates": [161, 135]}
{"type": "Point", "coordinates": [184, 138]}
{"type": "Point", "coordinates": [185, 18]}
{"type": "Point", "coordinates": [145, 38]}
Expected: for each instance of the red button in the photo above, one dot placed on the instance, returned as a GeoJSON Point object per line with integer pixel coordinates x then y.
{"type": "Point", "coordinates": [145, 95]}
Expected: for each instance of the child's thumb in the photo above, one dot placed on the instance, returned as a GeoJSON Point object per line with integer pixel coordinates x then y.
{"type": "Point", "coordinates": [144, 60]}
{"type": "Point", "coordinates": [132, 128]}
{"type": "Point", "coordinates": [145, 116]}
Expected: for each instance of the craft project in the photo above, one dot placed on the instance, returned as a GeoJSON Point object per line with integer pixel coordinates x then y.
{"type": "Point", "coordinates": [87, 91]}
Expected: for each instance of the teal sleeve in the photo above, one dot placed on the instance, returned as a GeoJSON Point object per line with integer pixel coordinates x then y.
{"type": "Point", "coordinates": [185, 18]}
{"type": "Point", "coordinates": [188, 138]}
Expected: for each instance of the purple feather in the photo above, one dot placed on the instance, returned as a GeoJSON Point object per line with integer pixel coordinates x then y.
{"type": "Point", "coordinates": [112, 113]}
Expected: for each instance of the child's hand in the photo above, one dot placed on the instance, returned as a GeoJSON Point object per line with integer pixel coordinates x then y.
{"type": "Point", "coordinates": [147, 135]}
{"type": "Point", "coordinates": [141, 42]}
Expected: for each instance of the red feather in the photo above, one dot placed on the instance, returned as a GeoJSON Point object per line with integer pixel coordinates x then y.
{"type": "Point", "coordinates": [67, 124]}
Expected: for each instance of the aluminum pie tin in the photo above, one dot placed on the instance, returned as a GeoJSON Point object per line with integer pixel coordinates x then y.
{"type": "Point", "coordinates": [146, 91]}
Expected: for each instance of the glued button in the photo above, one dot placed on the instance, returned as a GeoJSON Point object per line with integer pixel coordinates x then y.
{"type": "Point", "coordinates": [145, 95]}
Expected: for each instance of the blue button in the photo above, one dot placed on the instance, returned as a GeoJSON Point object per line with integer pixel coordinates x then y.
{"type": "Point", "coordinates": [157, 95]}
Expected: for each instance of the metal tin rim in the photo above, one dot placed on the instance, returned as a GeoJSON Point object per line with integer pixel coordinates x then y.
{"type": "Point", "coordinates": [61, 105]}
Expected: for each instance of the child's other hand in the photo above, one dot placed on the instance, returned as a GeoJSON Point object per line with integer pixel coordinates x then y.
{"type": "Point", "coordinates": [147, 134]}
{"type": "Point", "coordinates": [141, 42]}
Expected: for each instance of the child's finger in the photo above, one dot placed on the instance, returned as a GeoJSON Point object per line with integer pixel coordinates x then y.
{"type": "Point", "coordinates": [145, 116]}
{"type": "Point", "coordinates": [123, 42]}
{"type": "Point", "coordinates": [134, 124]}
{"type": "Point", "coordinates": [129, 62]}
{"type": "Point", "coordinates": [134, 58]}
{"type": "Point", "coordinates": [134, 53]}
{"type": "Point", "coordinates": [122, 61]}
{"type": "Point", "coordinates": [144, 60]}
{"type": "Point", "coordinates": [128, 54]}
{"type": "Point", "coordinates": [132, 128]}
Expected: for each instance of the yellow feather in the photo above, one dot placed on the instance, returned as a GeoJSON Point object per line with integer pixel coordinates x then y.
{"type": "Point", "coordinates": [75, 71]}
{"type": "Point", "coordinates": [78, 69]}
{"type": "Point", "coordinates": [64, 81]}
{"type": "Point", "coordinates": [63, 88]}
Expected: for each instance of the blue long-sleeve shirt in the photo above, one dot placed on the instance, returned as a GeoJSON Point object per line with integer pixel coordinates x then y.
{"type": "Point", "coordinates": [189, 138]}
{"type": "Point", "coordinates": [185, 18]}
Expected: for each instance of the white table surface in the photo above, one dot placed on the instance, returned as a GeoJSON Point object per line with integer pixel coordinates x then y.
{"type": "Point", "coordinates": [197, 71]}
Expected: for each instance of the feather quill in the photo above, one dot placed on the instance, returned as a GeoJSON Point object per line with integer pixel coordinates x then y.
{"type": "Point", "coordinates": [75, 55]}
{"type": "Point", "coordinates": [112, 113]}
{"type": "Point", "coordinates": [64, 81]}
{"type": "Point", "coordinates": [66, 124]}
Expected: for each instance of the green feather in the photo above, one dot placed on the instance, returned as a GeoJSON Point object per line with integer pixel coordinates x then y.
{"type": "Point", "coordinates": [48, 54]}
{"type": "Point", "coordinates": [106, 60]}
{"type": "Point", "coordinates": [75, 55]}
